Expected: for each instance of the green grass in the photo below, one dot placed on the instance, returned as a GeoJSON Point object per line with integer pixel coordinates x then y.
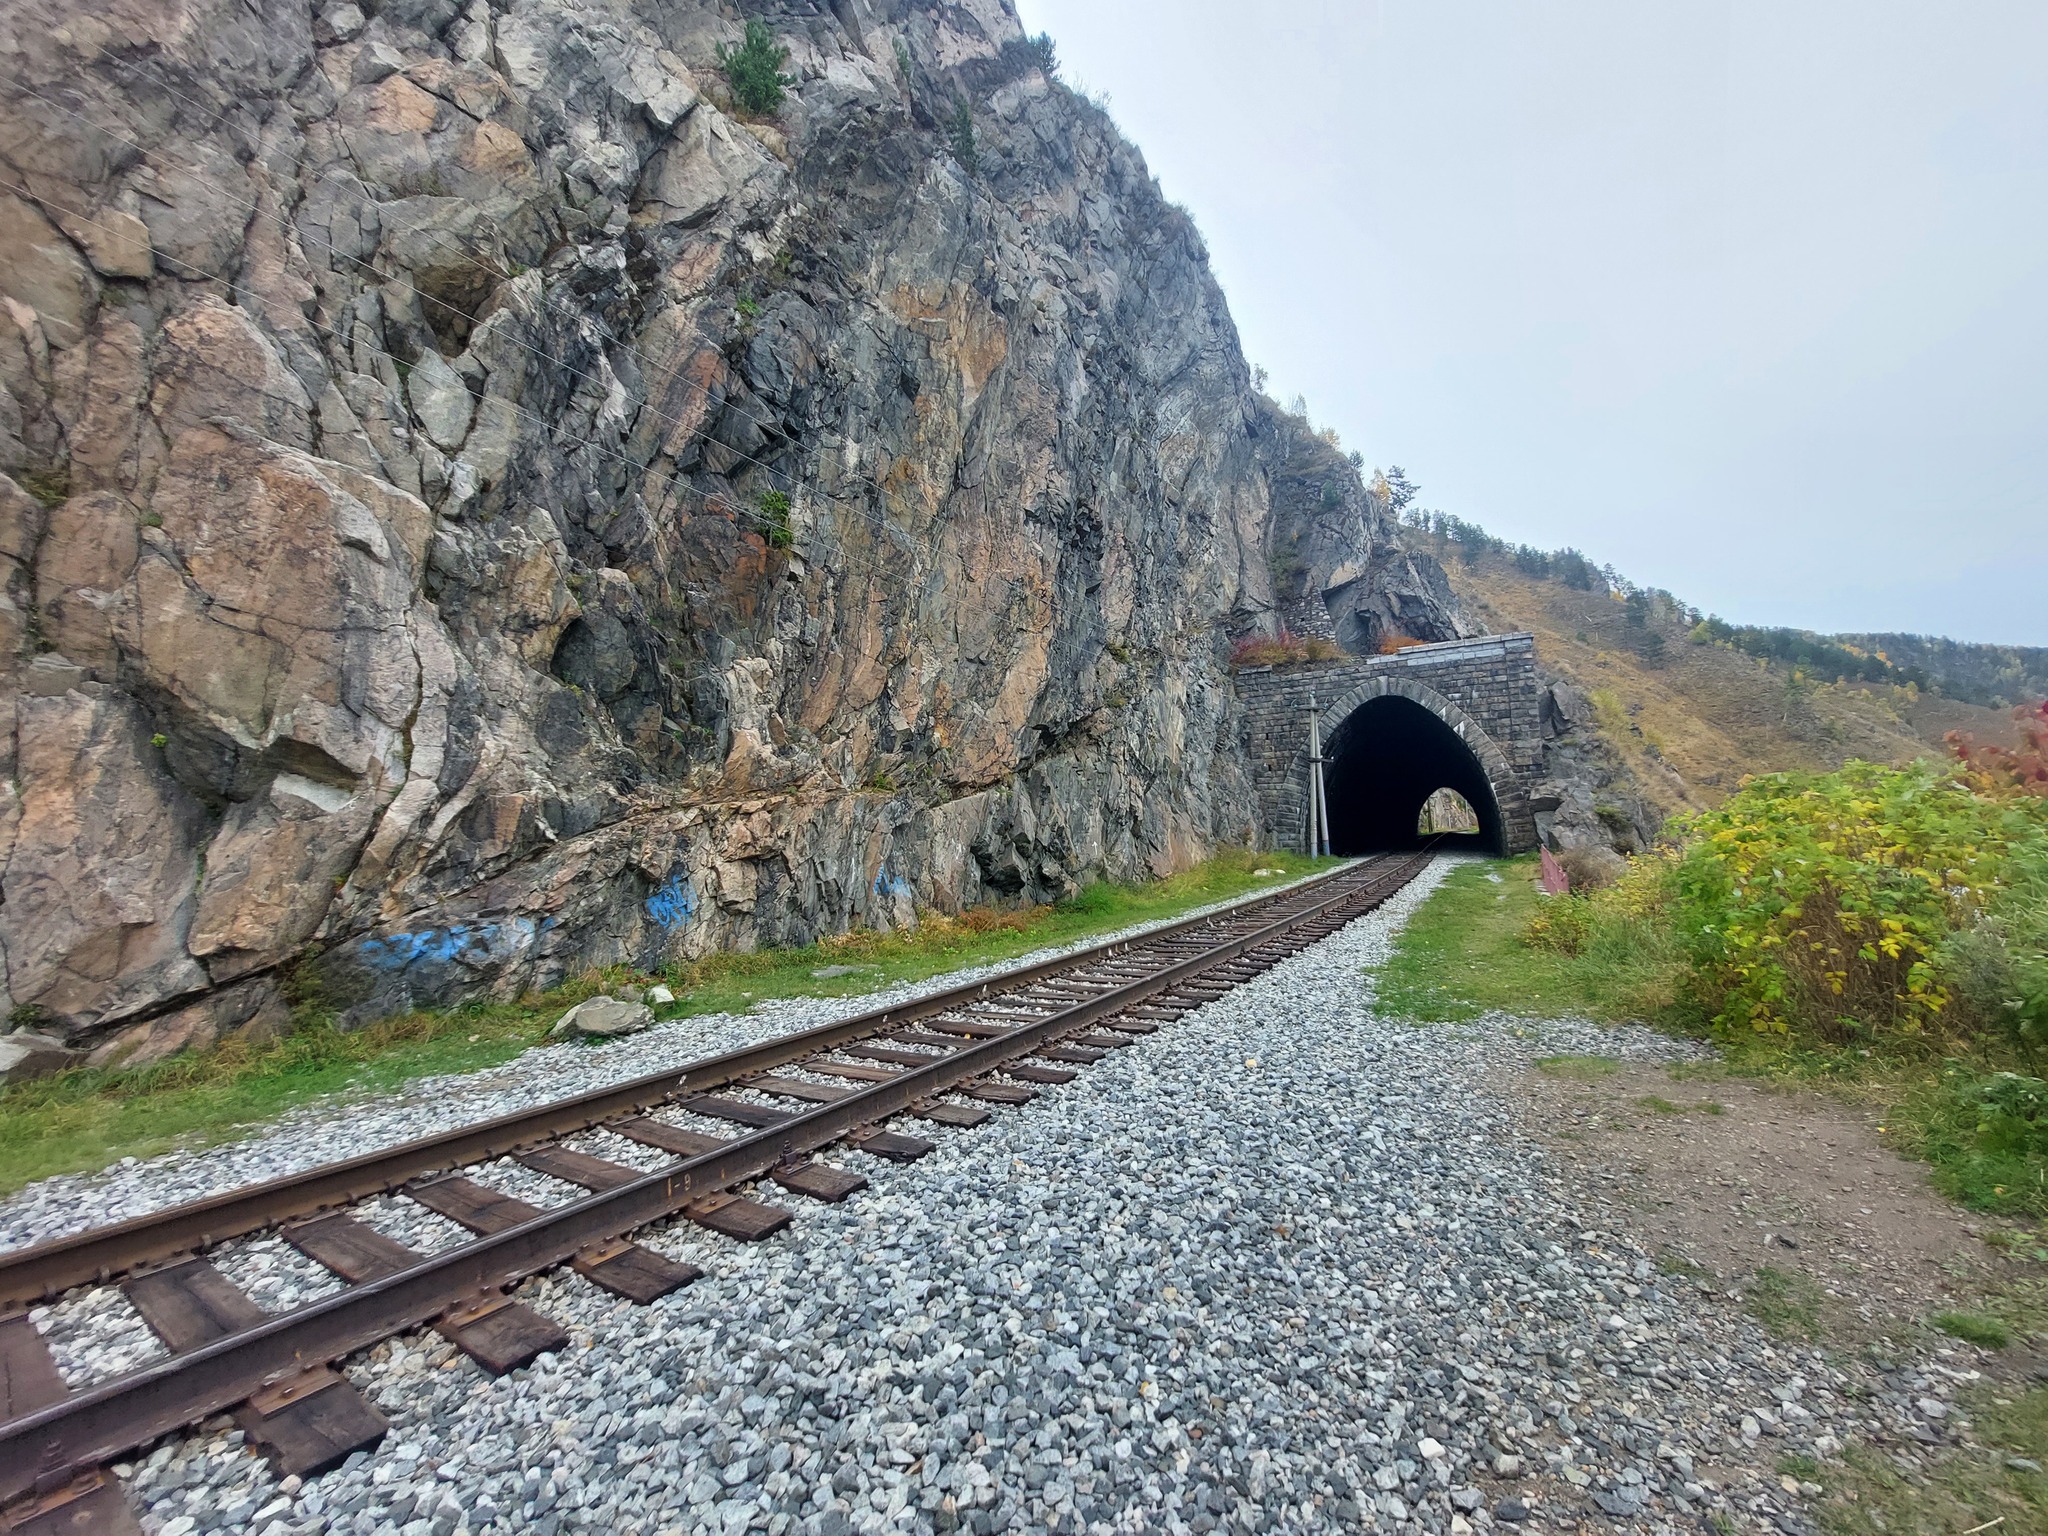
{"type": "Point", "coordinates": [1974, 1328]}
{"type": "Point", "coordinates": [729, 981]}
{"type": "Point", "coordinates": [1657, 1104]}
{"type": "Point", "coordinates": [1669, 1263]}
{"type": "Point", "coordinates": [85, 1119]}
{"type": "Point", "coordinates": [1785, 1302]}
{"type": "Point", "coordinates": [1979, 1161]}
{"type": "Point", "coordinates": [1952, 1491]}
{"type": "Point", "coordinates": [1462, 954]}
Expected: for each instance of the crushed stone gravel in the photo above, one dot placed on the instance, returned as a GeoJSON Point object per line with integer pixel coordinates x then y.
{"type": "Point", "coordinates": [352, 1124]}
{"type": "Point", "coordinates": [1283, 1265]}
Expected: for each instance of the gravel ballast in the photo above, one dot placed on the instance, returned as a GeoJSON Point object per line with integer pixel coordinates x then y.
{"type": "Point", "coordinates": [1283, 1265]}
{"type": "Point", "coordinates": [333, 1129]}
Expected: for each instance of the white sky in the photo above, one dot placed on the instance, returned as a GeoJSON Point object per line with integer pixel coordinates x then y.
{"type": "Point", "coordinates": [1749, 299]}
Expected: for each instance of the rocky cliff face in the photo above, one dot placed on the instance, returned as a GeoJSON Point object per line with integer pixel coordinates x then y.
{"type": "Point", "coordinates": [477, 506]}
{"type": "Point", "coordinates": [1339, 566]}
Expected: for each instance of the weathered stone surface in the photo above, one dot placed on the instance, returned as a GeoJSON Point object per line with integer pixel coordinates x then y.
{"type": "Point", "coordinates": [41, 268]}
{"type": "Point", "coordinates": [272, 870]}
{"type": "Point", "coordinates": [101, 862]}
{"type": "Point", "coordinates": [114, 241]}
{"type": "Point", "coordinates": [252, 1010]}
{"type": "Point", "coordinates": [1339, 567]}
{"type": "Point", "coordinates": [603, 1018]}
{"type": "Point", "coordinates": [27, 1054]}
{"type": "Point", "coordinates": [440, 399]}
{"type": "Point", "coordinates": [551, 522]}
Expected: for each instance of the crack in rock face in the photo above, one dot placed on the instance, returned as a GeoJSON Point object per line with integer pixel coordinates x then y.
{"type": "Point", "coordinates": [549, 518]}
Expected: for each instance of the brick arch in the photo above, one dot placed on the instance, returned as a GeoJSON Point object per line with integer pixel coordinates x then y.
{"type": "Point", "coordinates": [1511, 799]}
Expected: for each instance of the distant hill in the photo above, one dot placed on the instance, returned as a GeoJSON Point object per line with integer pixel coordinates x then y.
{"type": "Point", "coordinates": [1690, 705]}
{"type": "Point", "coordinates": [1999, 676]}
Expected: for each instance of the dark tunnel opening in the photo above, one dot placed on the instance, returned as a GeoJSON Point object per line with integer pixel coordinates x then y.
{"type": "Point", "coordinates": [1384, 760]}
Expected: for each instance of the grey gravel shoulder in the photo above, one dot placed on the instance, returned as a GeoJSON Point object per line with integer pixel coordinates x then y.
{"type": "Point", "coordinates": [1282, 1266]}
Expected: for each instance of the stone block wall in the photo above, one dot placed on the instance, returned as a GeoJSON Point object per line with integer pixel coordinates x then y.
{"type": "Point", "coordinates": [1486, 690]}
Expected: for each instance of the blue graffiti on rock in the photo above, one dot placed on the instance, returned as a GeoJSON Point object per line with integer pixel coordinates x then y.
{"type": "Point", "coordinates": [674, 904]}
{"type": "Point", "coordinates": [473, 944]}
{"type": "Point", "coordinates": [887, 884]}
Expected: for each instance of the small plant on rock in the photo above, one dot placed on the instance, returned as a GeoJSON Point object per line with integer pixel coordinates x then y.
{"type": "Point", "coordinates": [1047, 54]}
{"type": "Point", "coordinates": [774, 508]}
{"type": "Point", "coordinates": [754, 69]}
{"type": "Point", "coordinates": [960, 137]}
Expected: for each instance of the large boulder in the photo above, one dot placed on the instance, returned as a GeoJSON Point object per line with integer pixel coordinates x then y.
{"type": "Point", "coordinates": [603, 1018]}
{"type": "Point", "coordinates": [27, 1054]}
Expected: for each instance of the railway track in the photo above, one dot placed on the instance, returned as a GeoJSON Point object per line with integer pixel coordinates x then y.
{"type": "Point", "coordinates": [717, 1130]}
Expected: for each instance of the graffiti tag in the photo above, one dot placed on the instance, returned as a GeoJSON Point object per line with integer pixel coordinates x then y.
{"type": "Point", "coordinates": [476, 944]}
{"type": "Point", "coordinates": [673, 905]}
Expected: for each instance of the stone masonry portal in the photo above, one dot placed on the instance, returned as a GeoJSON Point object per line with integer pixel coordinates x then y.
{"type": "Point", "coordinates": [1463, 715]}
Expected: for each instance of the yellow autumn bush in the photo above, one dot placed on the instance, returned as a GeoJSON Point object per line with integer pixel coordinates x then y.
{"type": "Point", "coordinates": [1821, 905]}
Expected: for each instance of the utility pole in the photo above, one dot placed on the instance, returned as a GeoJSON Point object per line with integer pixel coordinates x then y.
{"type": "Point", "coordinates": [1318, 790]}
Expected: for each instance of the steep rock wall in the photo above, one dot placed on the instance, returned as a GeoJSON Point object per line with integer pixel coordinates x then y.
{"type": "Point", "coordinates": [1339, 565]}
{"type": "Point", "coordinates": [476, 506]}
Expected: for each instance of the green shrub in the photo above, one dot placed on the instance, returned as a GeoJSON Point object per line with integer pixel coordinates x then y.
{"type": "Point", "coordinates": [1046, 52]}
{"type": "Point", "coordinates": [754, 69]}
{"type": "Point", "coordinates": [1820, 905]}
{"type": "Point", "coordinates": [960, 137]}
{"type": "Point", "coordinates": [2012, 1114]}
{"type": "Point", "coordinates": [775, 527]}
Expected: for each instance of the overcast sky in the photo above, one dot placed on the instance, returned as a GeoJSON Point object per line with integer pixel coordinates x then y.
{"type": "Point", "coordinates": [1750, 299]}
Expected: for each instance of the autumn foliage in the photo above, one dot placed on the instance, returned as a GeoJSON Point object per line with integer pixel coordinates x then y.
{"type": "Point", "coordinates": [2021, 770]}
{"type": "Point", "coordinates": [1281, 649]}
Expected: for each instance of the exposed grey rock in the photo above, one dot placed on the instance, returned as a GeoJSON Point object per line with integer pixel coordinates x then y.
{"type": "Point", "coordinates": [26, 1054]}
{"type": "Point", "coordinates": [440, 398]}
{"type": "Point", "coordinates": [603, 1017]}
{"type": "Point", "coordinates": [650, 531]}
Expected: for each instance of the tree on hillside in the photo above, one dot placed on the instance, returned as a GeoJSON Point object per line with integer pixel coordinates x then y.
{"type": "Point", "coordinates": [754, 69]}
{"type": "Point", "coordinates": [1400, 489]}
{"type": "Point", "coordinates": [960, 135]}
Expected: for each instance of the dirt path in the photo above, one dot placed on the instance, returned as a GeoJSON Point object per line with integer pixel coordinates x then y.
{"type": "Point", "coordinates": [1732, 1177]}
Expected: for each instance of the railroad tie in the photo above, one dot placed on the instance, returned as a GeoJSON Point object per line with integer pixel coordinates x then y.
{"type": "Point", "coordinates": [306, 1424]}
{"type": "Point", "coordinates": [90, 1504]}
{"type": "Point", "coordinates": [495, 1331]}
{"type": "Point", "coordinates": [732, 1215]}
{"type": "Point", "coordinates": [623, 1268]}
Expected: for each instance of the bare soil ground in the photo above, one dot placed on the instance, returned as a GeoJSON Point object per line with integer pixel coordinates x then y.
{"type": "Point", "coordinates": [1733, 1178]}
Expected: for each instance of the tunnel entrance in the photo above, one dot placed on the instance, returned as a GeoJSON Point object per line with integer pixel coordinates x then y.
{"type": "Point", "coordinates": [1384, 761]}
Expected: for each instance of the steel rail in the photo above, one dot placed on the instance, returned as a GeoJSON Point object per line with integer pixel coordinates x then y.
{"type": "Point", "coordinates": [47, 1270]}
{"type": "Point", "coordinates": [43, 1450]}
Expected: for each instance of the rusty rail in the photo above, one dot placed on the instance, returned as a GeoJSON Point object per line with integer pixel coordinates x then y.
{"type": "Point", "coordinates": [47, 1449]}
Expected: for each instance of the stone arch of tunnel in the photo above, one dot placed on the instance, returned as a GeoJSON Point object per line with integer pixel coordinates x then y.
{"type": "Point", "coordinates": [1386, 754]}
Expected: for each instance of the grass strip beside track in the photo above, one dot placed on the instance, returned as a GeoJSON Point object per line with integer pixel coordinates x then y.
{"type": "Point", "coordinates": [85, 1119]}
{"type": "Point", "coordinates": [1462, 955]}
